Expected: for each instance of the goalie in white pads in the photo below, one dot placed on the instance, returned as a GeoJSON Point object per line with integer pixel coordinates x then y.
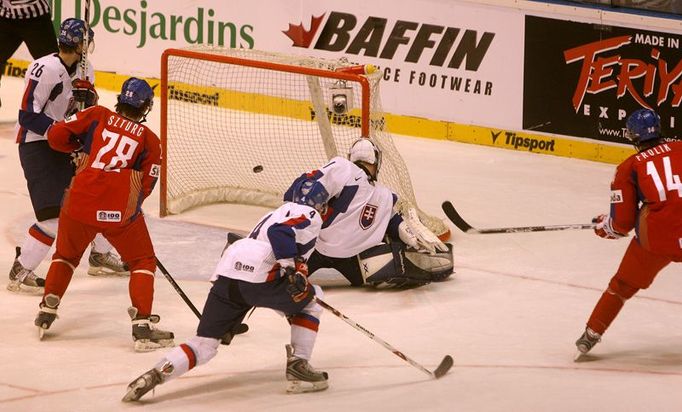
{"type": "Point", "coordinates": [265, 269]}
{"type": "Point", "coordinates": [363, 236]}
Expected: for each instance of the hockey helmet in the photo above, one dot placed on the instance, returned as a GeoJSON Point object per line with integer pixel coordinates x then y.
{"type": "Point", "coordinates": [643, 125]}
{"type": "Point", "coordinates": [311, 193]}
{"type": "Point", "coordinates": [365, 150]}
{"type": "Point", "coordinates": [72, 32]}
{"type": "Point", "coordinates": [136, 93]}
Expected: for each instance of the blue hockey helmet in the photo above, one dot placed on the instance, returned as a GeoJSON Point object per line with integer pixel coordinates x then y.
{"type": "Point", "coordinates": [311, 193]}
{"type": "Point", "coordinates": [643, 125]}
{"type": "Point", "coordinates": [72, 32]}
{"type": "Point", "coordinates": [136, 93]}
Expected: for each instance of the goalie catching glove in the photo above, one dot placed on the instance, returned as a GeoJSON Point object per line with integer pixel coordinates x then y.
{"type": "Point", "coordinates": [414, 234]}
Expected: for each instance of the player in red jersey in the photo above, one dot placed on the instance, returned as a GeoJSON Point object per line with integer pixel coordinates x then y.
{"type": "Point", "coordinates": [646, 195]}
{"type": "Point", "coordinates": [118, 167]}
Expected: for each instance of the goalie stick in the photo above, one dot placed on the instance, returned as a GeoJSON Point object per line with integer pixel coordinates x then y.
{"type": "Point", "coordinates": [455, 218]}
{"type": "Point", "coordinates": [441, 370]}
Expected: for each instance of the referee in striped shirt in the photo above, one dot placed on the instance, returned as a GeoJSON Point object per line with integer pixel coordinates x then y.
{"type": "Point", "coordinates": [26, 21]}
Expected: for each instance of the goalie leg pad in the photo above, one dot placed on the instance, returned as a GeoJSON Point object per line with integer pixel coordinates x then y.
{"type": "Point", "coordinates": [385, 265]}
{"type": "Point", "coordinates": [437, 267]}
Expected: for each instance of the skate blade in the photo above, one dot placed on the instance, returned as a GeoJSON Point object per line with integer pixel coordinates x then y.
{"type": "Point", "coordinates": [41, 333]}
{"type": "Point", "coordinates": [134, 391]}
{"type": "Point", "coordinates": [145, 345]}
{"type": "Point", "coordinates": [101, 271]}
{"type": "Point", "coordinates": [18, 287]}
{"type": "Point", "coordinates": [304, 386]}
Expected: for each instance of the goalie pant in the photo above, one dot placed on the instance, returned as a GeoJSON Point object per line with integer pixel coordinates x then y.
{"type": "Point", "coordinates": [227, 304]}
{"type": "Point", "coordinates": [388, 263]}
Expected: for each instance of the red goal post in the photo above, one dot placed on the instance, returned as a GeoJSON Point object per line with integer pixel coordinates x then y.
{"type": "Point", "coordinates": [240, 125]}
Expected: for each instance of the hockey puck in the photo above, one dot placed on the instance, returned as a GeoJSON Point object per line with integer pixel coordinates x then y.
{"type": "Point", "coordinates": [257, 169]}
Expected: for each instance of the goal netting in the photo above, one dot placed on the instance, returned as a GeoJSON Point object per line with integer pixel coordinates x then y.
{"type": "Point", "coordinates": [240, 125]}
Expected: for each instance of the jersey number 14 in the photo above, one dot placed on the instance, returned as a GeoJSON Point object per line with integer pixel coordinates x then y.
{"type": "Point", "coordinates": [672, 182]}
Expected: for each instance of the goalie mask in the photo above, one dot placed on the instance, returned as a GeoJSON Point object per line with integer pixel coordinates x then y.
{"type": "Point", "coordinates": [364, 150]}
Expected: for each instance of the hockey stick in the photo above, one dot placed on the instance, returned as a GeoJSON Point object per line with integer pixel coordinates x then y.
{"type": "Point", "coordinates": [83, 64]}
{"type": "Point", "coordinates": [239, 329]}
{"type": "Point", "coordinates": [452, 214]}
{"type": "Point", "coordinates": [441, 370]}
{"type": "Point", "coordinates": [177, 288]}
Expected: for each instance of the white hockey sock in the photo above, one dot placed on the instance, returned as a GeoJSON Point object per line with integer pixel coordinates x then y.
{"type": "Point", "coordinates": [196, 351]}
{"type": "Point", "coordinates": [101, 245]}
{"type": "Point", "coordinates": [304, 327]}
{"type": "Point", "coordinates": [37, 243]}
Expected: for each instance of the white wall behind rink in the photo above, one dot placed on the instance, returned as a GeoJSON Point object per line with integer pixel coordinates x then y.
{"type": "Point", "coordinates": [434, 53]}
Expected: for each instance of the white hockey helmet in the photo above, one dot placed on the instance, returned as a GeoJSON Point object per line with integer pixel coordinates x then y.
{"type": "Point", "coordinates": [365, 150]}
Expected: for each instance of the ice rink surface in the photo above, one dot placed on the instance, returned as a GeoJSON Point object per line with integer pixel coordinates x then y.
{"type": "Point", "coordinates": [509, 316]}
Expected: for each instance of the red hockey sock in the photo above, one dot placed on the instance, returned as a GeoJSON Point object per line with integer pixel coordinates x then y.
{"type": "Point", "coordinates": [605, 312]}
{"type": "Point", "coordinates": [141, 289]}
{"type": "Point", "coordinates": [58, 277]}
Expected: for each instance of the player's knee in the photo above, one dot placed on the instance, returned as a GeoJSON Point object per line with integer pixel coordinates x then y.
{"type": "Point", "coordinates": [204, 348]}
{"type": "Point", "coordinates": [145, 265]}
{"type": "Point", "coordinates": [622, 289]}
{"type": "Point", "coordinates": [313, 308]}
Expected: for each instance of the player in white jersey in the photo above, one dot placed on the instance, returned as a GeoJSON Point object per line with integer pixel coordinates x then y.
{"type": "Point", "coordinates": [265, 269]}
{"type": "Point", "coordinates": [52, 92]}
{"type": "Point", "coordinates": [363, 236]}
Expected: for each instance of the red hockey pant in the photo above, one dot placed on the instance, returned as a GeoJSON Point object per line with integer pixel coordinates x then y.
{"type": "Point", "coordinates": [132, 242]}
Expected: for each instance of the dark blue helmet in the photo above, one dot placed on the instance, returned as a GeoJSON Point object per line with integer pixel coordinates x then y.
{"type": "Point", "coordinates": [311, 193]}
{"type": "Point", "coordinates": [136, 92]}
{"type": "Point", "coordinates": [72, 32]}
{"type": "Point", "coordinates": [643, 125]}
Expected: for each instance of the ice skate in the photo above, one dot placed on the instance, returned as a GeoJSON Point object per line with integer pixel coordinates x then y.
{"type": "Point", "coordinates": [146, 336]}
{"type": "Point", "coordinates": [143, 384]}
{"type": "Point", "coordinates": [106, 264]}
{"type": "Point", "coordinates": [22, 279]}
{"type": "Point", "coordinates": [586, 342]}
{"type": "Point", "coordinates": [47, 314]}
{"type": "Point", "coordinates": [301, 376]}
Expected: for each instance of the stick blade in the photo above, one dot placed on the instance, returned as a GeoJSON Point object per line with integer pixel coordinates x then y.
{"type": "Point", "coordinates": [455, 218]}
{"type": "Point", "coordinates": [444, 367]}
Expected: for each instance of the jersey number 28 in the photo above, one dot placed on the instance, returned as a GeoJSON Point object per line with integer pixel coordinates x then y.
{"type": "Point", "coordinates": [123, 146]}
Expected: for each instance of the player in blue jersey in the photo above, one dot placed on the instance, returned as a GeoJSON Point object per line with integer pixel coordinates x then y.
{"type": "Point", "coordinates": [52, 92]}
{"type": "Point", "coordinates": [265, 269]}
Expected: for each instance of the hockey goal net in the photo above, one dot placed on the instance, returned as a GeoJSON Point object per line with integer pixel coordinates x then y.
{"type": "Point", "coordinates": [240, 125]}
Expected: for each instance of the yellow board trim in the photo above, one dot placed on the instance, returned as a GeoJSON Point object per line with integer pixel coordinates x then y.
{"type": "Point", "coordinates": [399, 124]}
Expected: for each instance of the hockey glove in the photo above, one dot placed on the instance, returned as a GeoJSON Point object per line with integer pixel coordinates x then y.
{"type": "Point", "coordinates": [426, 241]}
{"type": "Point", "coordinates": [604, 227]}
{"type": "Point", "coordinates": [84, 92]}
{"type": "Point", "coordinates": [298, 286]}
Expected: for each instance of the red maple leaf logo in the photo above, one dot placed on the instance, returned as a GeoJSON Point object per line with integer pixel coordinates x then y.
{"type": "Point", "coordinates": [302, 37]}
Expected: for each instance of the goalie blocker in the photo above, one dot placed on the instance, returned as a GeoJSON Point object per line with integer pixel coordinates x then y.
{"type": "Point", "coordinates": [394, 264]}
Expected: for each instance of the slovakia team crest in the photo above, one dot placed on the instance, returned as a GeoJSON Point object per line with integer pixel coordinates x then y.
{"type": "Point", "coordinates": [367, 216]}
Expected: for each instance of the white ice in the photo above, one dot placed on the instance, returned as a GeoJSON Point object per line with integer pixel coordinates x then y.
{"type": "Point", "coordinates": [509, 316]}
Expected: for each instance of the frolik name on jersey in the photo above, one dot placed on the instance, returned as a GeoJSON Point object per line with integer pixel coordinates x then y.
{"type": "Point", "coordinates": [649, 153]}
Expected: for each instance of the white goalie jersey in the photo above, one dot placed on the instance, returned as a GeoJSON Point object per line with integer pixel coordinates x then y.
{"type": "Point", "coordinates": [359, 210]}
{"type": "Point", "coordinates": [288, 232]}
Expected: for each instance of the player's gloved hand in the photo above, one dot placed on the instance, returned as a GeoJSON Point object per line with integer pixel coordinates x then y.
{"type": "Point", "coordinates": [84, 92]}
{"type": "Point", "coordinates": [407, 235]}
{"type": "Point", "coordinates": [297, 276]}
{"type": "Point", "coordinates": [604, 228]}
{"type": "Point", "coordinates": [426, 240]}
